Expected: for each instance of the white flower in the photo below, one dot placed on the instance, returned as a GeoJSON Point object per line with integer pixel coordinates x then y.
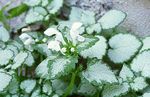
{"type": "Point", "coordinates": [74, 33]}
{"type": "Point", "coordinates": [63, 50]}
{"type": "Point", "coordinates": [54, 45]}
{"type": "Point", "coordinates": [26, 39]}
{"type": "Point", "coordinates": [36, 40]}
{"type": "Point", "coordinates": [53, 31]}
{"type": "Point", "coordinates": [72, 50]}
{"type": "Point", "coordinates": [44, 39]}
{"type": "Point", "coordinates": [26, 29]}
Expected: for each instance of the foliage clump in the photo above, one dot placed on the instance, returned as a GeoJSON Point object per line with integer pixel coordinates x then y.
{"type": "Point", "coordinates": [77, 56]}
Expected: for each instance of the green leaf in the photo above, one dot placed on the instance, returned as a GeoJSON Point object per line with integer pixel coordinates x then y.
{"type": "Point", "coordinates": [115, 90]}
{"type": "Point", "coordinates": [42, 68]}
{"type": "Point", "coordinates": [112, 19]}
{"type": "Point", "coordinates": [86, 17]}
{"type": "Point", "coordinates": [146, 94]}
{"type": "Point", "coordinates": [62, 66]}
{"type": "Point", "coordinates": [138, 84]}
{"type": "Point", "coordinates": [54, 6]}
{"type": "Point", "coordinates": [4, 34]}
{"type": "Point", "coordinates": [99, 73]}
{"type": "Point", "coordinates": [146, 44]}
{"type": "Point", "coordinates": [47, 88]}
{"type": "Point", "coordinates": [13, 87]}
{"type": "Point", "coordinates": [123, 47]}
{"type": "Point", "coordinates": [5, 57]}
{"type": "Point", "coordinates": [16, 11]}
{"type": "Point", "coordinates": [141, 64]}
{"type": "Point", "coordinates": [59, 86]}
{"type": "Point", "coordinates": [32, 2]}
{"type": "Point", "coordinates": [126, 73]}
{"type": "Point", "coordinates": [97, 50]}
{"type": "Point", "coordinates": [43, 49]}
{"type": "Point", "coordinates": [29, 60]}
{"type": "Point", "coordinates": [28, 85]}
{"type": "Point", "coordinates": [94, 28]}
{"type": "Point", "coordinates": [87, 89]}
{"type": "Point", "coordinates": [19, 59]}
{"type": "Point", "coordinates": [33, 16]}
{"type": "Point", "coordinates": [5, 79]}
{"type": "Point", "coordinates": [13, 48]}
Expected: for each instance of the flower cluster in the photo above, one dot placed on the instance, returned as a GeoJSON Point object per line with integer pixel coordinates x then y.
{"type": "Point", "coordinates": [58, 44]}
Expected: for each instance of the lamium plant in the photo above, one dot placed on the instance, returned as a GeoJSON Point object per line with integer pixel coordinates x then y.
{"type": "Point", "coordinates": [77, 57]}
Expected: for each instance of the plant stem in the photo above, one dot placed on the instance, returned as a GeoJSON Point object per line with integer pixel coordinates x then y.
{"type": "Point", "coordinates": [70, 87]}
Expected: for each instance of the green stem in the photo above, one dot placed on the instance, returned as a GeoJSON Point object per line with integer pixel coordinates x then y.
{"type": "Point", "coordinates": [70, 87]}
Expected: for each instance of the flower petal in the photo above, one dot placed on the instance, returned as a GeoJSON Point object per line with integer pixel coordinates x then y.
{"type": "Point", "coordinates": [75, 26]}
{"type": "Point", "coordinates": [80, 38]}
{"type": "Point", "coordinates": [51, 31]}
{"type": "Point", "coordinates": [54, 45]}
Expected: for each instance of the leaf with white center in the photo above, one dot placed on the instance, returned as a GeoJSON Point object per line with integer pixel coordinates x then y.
{"type": "Point", "coordinates": [94, 28]}
{"type": "Point", "coordinates": [28, 85]}
{"type": "Point", "coordinates": [5, 79]}
{"type": "Point", "coordinates": [123, 47]}
{"type": "Point", "coordinates": [115, 90]}
{"type": "Point", "coordinates": [42, 68]}
{"type": "Point", "coordinates": [138, 84]}
{"type": "Point", "coordinates": [13, 48]}
{"type": "Point", "coordinates": [88, 18]}
{"type": "Point", "coordinates": [36, 93]}
{"type": "Point", "coordinates": [99, 73]}
{"type": "Point", "coordinates": [146, 44]}
{"type": "Point", "coordinates": [75, 14]}
{"type": "Point", "coordinates": [62, 66]}
{"type": "Point", "coordinates": [146, 94]}
{"type": "Point", "coordinates": [4, 34]}
{"type": "Point", "coordinates": [32, 2]}
{"type": "Point", "coordinates": [141, 64]}
{"type": "Point", "coordinates": [54, 6]}
{"type": "Point", "coordinates": [112, 19]}
{"type": "Point", "coordinates": [13, 87]}
{"type": "Point", "coordinates": [86, 88]}
{"type": "Point", "coordinates": [59, 86]}
{"type": "Point", "coordinates": [5, 57]}
{"type": "Point", "coordinates": [29, 60]}
{"type": "Point", "coordinates": [43, 49]}
{"type": "Point", "coordinates": [126, 73]}
{"type": "Point", "coordinates": [97, 50]}
{"type": "Point", "coordinates": [47, 88]}
{"type": "Point", "coordinates": [33, 16]}
{"type": "Point", "coordinates": [40, 10]}
{"type": "Point", "coordinates": [19, 59]}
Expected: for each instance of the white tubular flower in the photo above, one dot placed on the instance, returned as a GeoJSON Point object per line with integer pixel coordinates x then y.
{"type": "Point", "coordinates": [74, 33]}
{"type": "Point", "coordinates": [63, 50]}
{"type": "Point", "coordinates": [44, 39]}
{"type": "Point", "coordinates": [72, 49]}
{"type": "Point", "coordinates": [53, 31]}
{"type": "Point", "coordinates": [26, 29]}
{"type": "Point", "coordinates": [54, 45]}
{"type": "Point", "coordinates": [27, 39]}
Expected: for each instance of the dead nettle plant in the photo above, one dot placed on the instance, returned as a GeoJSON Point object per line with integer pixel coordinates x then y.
{"type": "Point", "coordinates": [78, 56]}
